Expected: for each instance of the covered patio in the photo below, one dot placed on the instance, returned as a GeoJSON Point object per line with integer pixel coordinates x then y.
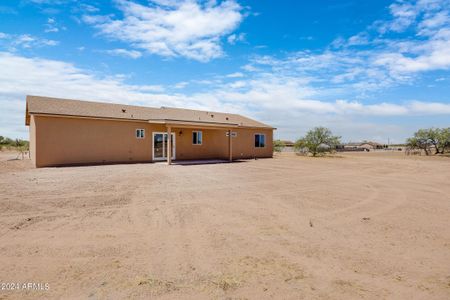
{"type": "Point", "coordinates": [174, 128]}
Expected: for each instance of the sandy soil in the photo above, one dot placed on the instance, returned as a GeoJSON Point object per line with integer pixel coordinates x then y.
{"type": "Point", "coordinates": [362, 225]}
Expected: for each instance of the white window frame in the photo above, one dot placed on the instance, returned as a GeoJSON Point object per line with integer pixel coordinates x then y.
{"type": "Point", "coordinates": [139, 136]}
{"type": "Point", "coordinates": [201, 139]}
{"type": "Point", "coordinates": [265, 140]}
{"type": "Point", "coordinates": [164, 150]}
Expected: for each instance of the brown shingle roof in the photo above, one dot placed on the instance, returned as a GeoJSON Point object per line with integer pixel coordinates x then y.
{"type": "Point", "coordinates": [77, 108]}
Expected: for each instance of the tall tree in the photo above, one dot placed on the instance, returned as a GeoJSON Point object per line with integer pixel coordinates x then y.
{"type": "Point", "coordinates": [426, 139]}
{"type": "Point", "coordinates": [318, 140]}
{"type": "Point", "coordinates": [445, 139]}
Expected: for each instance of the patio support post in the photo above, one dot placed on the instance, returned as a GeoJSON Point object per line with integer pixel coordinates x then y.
{"type": "Point", "coordinates": [169, 145]}
{"type": "Point", "coordinates": [230, 147]}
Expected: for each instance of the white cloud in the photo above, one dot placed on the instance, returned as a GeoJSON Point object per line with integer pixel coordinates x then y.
{"type": "Point", "coordinates": [29, 41]}
{"type": "Point", "coordinates": [181, 85]}
{"type": "Point", "coordinates": [51, 25]}
{"type": "Point", "coordinates": [359, 39]}
{"type": "Point", "coordinates": [404, 15]}
{"type": "Point", "coordinates": [125, 53]}
{"type": "Point", "coordinates": [272, 98]}
{"type": "Point", "coordinates": [249, 68]}
{"type": "Point", "coordinates": [88, 8]}
{"type": "Point", "coordinates": [368, 62]}
{"type": "Point", "coordinates": [234, 38]}
{"type": "Point", "coordinates": [434, 21]}
{"type": "Point", "coordinates": [235, 75]}
{"type": "Point", "coordinates": [12, 42]}
{"type": "Point", "coordinates": [237, 84]}
{"type": "Point", "coordinates": [172, 28]}
{"type": "Point", "coordinates": [23, 76]}
{"type": "Point", "coordinates": [433, 54]}
{"type": "Point", "coordinates": [431, 108]}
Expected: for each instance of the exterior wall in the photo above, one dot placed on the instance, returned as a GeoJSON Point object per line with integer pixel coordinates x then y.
{"type": "Point", "coordinates": [244, 144]}
{"type": "Point", "coordinates": [65, 141]}
{"type": "Point", "coordinates": [33, 140]}
{"type": "Point", "coordinates": [56, 141]}
{"type": "Point", "coordinates": [366, 146]}
{"type": "Point", "coordinates": [215, 144]}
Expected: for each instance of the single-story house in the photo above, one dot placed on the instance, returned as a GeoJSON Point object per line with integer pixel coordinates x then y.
{"type": "Point", "coordinates": [74, 132]}
{"type": "Point", "coordinates": [288, 143]}
{"type": "Point", "coordinates": [362, 146]}
{"type": "Point", "coordinates": [371, 145]}
{"type": "Point", "coordinates": [288, 146]}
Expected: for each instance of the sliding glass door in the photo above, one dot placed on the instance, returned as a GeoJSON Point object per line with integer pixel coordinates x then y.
{"type": "Point", "coordinates": [160, 145]}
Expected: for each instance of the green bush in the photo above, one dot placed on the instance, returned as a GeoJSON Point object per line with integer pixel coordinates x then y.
{"type": "Point", "coordinates": [318, 140]}
{"type": "Point", "coordinates": [426, 139]}
{"type": "Point", "coordinates": [21, 146]}
{"type": "Point", "coordinates": [278, 145]}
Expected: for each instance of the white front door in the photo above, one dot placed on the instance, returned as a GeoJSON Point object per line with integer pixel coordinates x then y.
{"type": "Point", "coordinates": [160, 145]}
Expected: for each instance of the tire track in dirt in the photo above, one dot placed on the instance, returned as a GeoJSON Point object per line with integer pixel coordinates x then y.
{"type": "Point", "coordinates": [170, 227]}
{"type": "Point", "coordinates": [372, 205]}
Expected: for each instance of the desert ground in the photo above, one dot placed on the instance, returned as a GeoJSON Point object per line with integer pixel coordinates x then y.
{"type": "Point", "coordinates": [359, 225]}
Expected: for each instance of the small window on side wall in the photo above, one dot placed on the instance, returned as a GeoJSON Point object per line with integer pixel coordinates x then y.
{"type": "Point", "coordinates": [140, 133]}
{"type": "Point", "coordinates": [260, 140]}
{"type": "Point", "coordinates": [197, 138]}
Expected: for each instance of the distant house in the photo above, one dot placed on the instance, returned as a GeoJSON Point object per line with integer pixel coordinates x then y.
{"type": "Point", "coordinates": [68, 132]}
{"type": "Point", "coordinates": [370, 145]}
{"type": "Point", "coordinates": [288, 143]}
{"type": "Point", "coordinates": [288, 146]}
{"type": "Point", "coordinates": [350, 147]}
{"type": "Point", "coordinates": [361, 146]}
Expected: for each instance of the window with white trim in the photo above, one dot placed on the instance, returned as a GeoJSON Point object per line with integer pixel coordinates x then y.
{"type": "Point", "coordinates": [260, 140]}
{"type": "Point", "coordinates": [140, 133]}
{"type": "Point", "coordinates": [197, 138]}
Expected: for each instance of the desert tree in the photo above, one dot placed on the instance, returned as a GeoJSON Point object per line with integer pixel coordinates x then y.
{"type": "Point", "coordinates": [317, 141]}
{"type": "Point", "coordinates": [426, 139]}
{"type": "Point", "coordinates": [419, 141]}
{"type": "Point", "coordinates": [278, 145]}
{"type": "Point", "coordinates": [22, 147]}
{"type": "Point", "coordinates": [445, 139]}
{"type": "Point", "coordinates": [434, 138]}
{"type": "Point", "coordinates": [6, 142]}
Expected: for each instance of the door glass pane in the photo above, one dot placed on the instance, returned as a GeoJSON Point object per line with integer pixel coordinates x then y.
{"type": "Point", "coordinates": [165, 145]}
{"type": "Point", "coordinates": [158, 145]}
{"type": "Point", "coordinates": [172, 150]}
{"type": "Point", "coordinates": [173, 145]}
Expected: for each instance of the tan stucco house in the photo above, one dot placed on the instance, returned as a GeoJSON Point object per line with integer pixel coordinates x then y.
{"type": "Point", "coordinates": [73, 132]}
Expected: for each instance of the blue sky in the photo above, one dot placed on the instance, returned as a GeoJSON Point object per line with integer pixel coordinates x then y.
{"type": "Point", "coordinates": [368, 70]}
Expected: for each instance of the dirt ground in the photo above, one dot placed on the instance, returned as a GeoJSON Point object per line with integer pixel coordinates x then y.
{"type": "Point", "coordinates": [361, 225]}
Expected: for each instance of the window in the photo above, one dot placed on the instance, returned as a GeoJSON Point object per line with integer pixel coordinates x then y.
{"type": "Point", "coordinates": [260, 140]}
{"type": "Point", "coordinates": [140, 133]}
{"type": "Point", "coordinates": [196, 137]}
